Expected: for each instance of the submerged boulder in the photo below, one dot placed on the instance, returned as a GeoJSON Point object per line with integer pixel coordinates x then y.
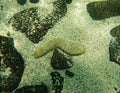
{"type": "Point", "coordinates": [11, 65]}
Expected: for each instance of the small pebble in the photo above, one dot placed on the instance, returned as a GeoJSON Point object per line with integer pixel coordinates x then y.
{"type": "Point", "coordinates": [34, 1]}
{"type": "Point", "coordinates": [55, 73]}
{"type": "Point", "coordinates": [8, 34]}
{"type": "Point", "coordinates": [68, 1]}
{"type": "Point", "coordinates": [21, 2]}
{"type": "Point", "coordinates": [68, 73]}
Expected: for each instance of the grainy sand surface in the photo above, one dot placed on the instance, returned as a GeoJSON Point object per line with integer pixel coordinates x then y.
{"type": "Point", "coordinates": [94, 73]}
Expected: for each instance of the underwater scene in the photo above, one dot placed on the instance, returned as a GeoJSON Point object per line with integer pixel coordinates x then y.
{"type": "Point", "coordinates": [59, 46]}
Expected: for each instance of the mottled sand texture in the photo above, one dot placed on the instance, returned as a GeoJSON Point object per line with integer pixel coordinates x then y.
{"type": "Point", "coordinates": [94, 72]}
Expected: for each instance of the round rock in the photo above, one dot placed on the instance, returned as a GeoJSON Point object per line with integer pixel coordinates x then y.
{"type": "Point", "coordinates": [21, 2]}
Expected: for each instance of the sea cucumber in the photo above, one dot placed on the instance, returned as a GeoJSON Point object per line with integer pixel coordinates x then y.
{"type": "Point", "coordinates": [70, 47]}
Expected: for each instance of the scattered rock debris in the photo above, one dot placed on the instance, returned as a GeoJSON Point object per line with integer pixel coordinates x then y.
{"type": "Point", "coordinates": [57, 82]}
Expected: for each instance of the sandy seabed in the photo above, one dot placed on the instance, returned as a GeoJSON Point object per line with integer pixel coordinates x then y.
{"type": "Point", "coordinates": [94, 72]}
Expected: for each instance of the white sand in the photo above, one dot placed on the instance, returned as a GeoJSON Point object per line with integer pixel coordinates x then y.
{"type": "Point", "coordinates": [93, 69]}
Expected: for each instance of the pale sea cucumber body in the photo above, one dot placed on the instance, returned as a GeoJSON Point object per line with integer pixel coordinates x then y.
{"type": "Point", "coordinates": [70, 47]}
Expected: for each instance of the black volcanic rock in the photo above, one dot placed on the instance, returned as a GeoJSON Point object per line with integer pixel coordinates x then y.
{"type": "Point", "coordinates": [33, 89]}
{"type": "Point", "coordinates": [11, 63]}
{"type": "Point", "coordinates": [68, 1]}
{"type": "Point", "coordinates": [60, 60]}
{"type": "Point", "coordinates": [70, 74]}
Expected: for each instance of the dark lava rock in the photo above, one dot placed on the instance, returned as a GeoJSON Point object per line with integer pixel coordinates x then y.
{"type": "Point", "coordinates": [103, 9]}
{"type": "Point", "coordinates": [57, 82]}
{"type": "Point", "coordinates": [21, 2]}
{"type": "Point", "coordinates": [60, 60]}
{"type": "Point", "coordinates": [33, 89]}
{"type": "Point", "coordinates": [34, 1]}
{"type": "Point", "coordinates": [68, 73]}
{"type": "Point", "coordinates": [68, 1]}
{"type": "Point", "coordinates": [33, 24]}
{"type": "Point", "coordinates": [115, 32]}
{"type": "Point", "coordinates": [25, 20]}
{"type": "Point", "coordinates": [114, 50]}
{"type": "Point", "coordinates": [11, 63]}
